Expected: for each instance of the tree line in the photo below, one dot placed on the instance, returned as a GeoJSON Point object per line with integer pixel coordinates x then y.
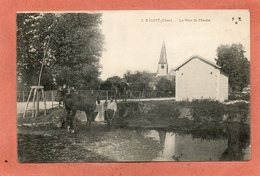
{"type": "Point", "coordinates": [141, 81]}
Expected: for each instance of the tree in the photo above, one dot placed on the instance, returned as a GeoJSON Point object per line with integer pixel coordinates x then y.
{"type": "Point", "coordinates": [110, 83]}
{"type": "Point", "coordinates": [29, 47]}
{"type": "Point", "coordinates": [139, 81]}
{"type": "Point", "coordinates": [166, 86]}
{"type": "Point", "coordinates": [72, 54]}
{"type": "Point", "coordinates": [233, 62]}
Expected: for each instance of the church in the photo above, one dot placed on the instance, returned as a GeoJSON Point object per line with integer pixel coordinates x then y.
{"type": "Point", "coordinates": [163, 67]}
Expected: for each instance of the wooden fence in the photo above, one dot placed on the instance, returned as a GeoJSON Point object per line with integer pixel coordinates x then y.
{"type": "Point", "coordinates": [22, 96]}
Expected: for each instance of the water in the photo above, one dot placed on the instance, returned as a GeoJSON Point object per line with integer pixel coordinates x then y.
{"type": "Point", "coordinates": [185, 147]}
{"type": "Point", "coordinates": [226, 142]}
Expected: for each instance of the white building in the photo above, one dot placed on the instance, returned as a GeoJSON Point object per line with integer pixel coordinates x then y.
{"type": "Point", "coordinates": [198, 78]}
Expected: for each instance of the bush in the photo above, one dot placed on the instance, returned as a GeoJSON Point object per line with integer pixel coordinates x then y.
{"type": "Point", "coordinates": [238, 111]}
{"type": "Point", "coordinates": [166, 110]}
{"type": "Point", "coordinates": [207, 110]}
{"type": "Point", "coordinates": [129, 109]}
{"type": "Point", "coordinates": [239, 96]}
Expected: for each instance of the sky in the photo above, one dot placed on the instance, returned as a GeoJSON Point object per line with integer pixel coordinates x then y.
{"type": "Point", "coordinates": [133, 39]}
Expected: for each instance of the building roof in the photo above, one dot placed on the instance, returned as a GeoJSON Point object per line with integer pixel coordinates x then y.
{"type": "Point", "coordinates": [163, 56]}
{"type": "Point", "coordinates": [197, 57]}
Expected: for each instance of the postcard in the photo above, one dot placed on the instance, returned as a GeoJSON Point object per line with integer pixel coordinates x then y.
{"type": "Point", "coordinates": [129, 88]}
{"type": "Point", "coordinates": [116, 86]}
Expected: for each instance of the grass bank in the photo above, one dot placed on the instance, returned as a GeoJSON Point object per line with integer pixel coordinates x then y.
{"type": "Point", "coordinates": [203, 114]}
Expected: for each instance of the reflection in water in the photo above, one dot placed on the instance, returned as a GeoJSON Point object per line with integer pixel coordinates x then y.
{"type": "Point", "coordinates": [238, 147]}
{"type": "Point", "coordinates": [162, 135]}
{"type": "Point", "coordinates": [185, 147]}
{"type": "Point", "coordinates": [168, 144]}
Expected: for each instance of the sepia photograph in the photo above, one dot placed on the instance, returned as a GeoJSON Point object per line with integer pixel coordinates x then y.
{"type": "Point", "coordinates": [133, 86]}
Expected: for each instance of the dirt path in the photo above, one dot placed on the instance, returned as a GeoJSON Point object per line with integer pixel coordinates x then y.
{"type": "Point", "coordinates": [51, 144]}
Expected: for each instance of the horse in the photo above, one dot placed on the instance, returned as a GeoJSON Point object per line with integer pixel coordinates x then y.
{"type": "Point", "coordinates": [74, 102]}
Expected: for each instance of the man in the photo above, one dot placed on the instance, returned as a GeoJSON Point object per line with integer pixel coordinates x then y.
{"type": "Point", "coordinates": [61, 93]}
{"type": "Point", "coordinates": [110, 111]}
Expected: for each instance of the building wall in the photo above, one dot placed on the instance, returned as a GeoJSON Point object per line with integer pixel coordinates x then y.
{"type": "Point", "coordinates": [223, 87]}
{"type": "Point", "coordinates": [196, 80]}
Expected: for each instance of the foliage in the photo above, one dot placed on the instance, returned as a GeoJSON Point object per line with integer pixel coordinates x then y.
{"type": "Point", "coordinates": [207, 110]}
{"type": "Point", "coordinates": [73, 43]}
{"type": "Point", "coordinates": [166, 111]}
{"type": "Point", "coordinates": [166, 86]}
{"type": "Point", "coordinates": [111, 83]}
{"type": "Point", "coordinates": [239, 111]}
{"type": "Point", "coordinates": [239, 96]}
{"type": "Point", "coordinates": [201, 111]}
{"type": "Point", "coordinates": [233, 62]}
{"type": "Point", "coordinates": [139, 81]}
{"type": "Point", "coordinates": [129, 109]}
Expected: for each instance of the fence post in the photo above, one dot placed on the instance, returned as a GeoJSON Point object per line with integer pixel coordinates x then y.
{"type": "Point", "coordinates": [44, 101]}
{"type": "Point", "coordinates": [52, 99]}
{"type": "Point", "coordinates": [23, 95]}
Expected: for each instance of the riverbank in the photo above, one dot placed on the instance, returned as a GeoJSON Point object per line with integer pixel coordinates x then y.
{"type": "Point", "coordinates": [142, 131]}
{"type": "Point", "coordinates": [169, 115]}
{"type": "Point", "coordinates": [45, 142]}
{"type": "Point", "coordinates": [182, 115]}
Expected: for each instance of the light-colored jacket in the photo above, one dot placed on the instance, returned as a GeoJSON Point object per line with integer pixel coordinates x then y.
{"type": "Point", "coordinates": [112, 105]}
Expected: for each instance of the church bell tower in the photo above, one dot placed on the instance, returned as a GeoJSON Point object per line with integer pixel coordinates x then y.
{"type": "Point", "coordinates": [162, 65]}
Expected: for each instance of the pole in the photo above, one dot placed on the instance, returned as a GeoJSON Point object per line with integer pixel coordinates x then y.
{"type": "Point", "coordinates": [34, 94]}
{"type": "Point", "coordinates": [42, 64]}
{"type": "Point", "coordinates": [27, 103]}
{"type": "Point", "coordinates": [37, 102]}
{"type": "Point", "coordinates": [44, 56]}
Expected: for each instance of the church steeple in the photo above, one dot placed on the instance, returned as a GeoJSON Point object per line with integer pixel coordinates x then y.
{"type": "Point", "coordinates": [163, 57]}
{"type": "Point", "coordinates": [162, 65]}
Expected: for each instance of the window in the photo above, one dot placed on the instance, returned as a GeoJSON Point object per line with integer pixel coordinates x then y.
{"type": "Point", "coordinates": [162, 66]}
